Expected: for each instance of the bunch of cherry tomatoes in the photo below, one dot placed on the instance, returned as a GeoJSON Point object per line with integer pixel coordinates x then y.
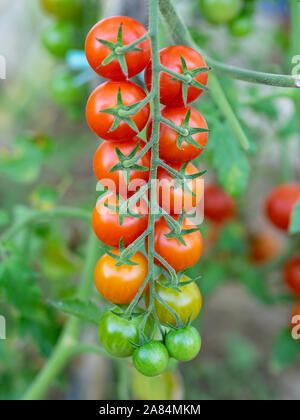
{"type": "Point", "coordinates": [237, 14]}
{"type": "Point", "coordinates": [118, 48]}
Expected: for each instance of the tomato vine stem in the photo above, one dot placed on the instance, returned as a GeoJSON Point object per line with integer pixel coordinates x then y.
{"type": "Point", "coordinates": [181, 35]}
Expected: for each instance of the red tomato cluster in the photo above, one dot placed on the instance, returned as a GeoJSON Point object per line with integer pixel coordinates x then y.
{"type": "Point", "coordinates": [117, 111]}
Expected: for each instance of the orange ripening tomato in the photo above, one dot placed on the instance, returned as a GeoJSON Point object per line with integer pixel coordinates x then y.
{"type": "Point", "coordinates": [219, 207]}
{"type": "Point", "coordinates": [264, 247]}
{"type": "Point", "coordinates": [173, 200]}
{"type": "Point", "coordinates": [105, 222]}
{"type": "Point", "coordinates": [104, 97]}
{"type": "Point", "coordinates": [292, 274]}
{"type": "Point", "coordinates": [120, 284]}
{"type": "Point", "coordinates": [179, 256]}
{"type": "Point", "coordinates": [168, 149]}
{"type": "Point", "coordinates": [170, 89]}
{"type": "Point", "coordinates": [107, 29]}
{"type": "Point", "coordinates": [280, 203]}
{"type": "Point", "coordinates": [106, 158]}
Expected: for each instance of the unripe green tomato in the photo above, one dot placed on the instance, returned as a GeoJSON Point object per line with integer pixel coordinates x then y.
{"type": "Point", "coordinates": [64, 89]}
{"type": "Point", "coordinates": [241, 26]}
{"type": "Point", "coordinates": [220, 11]}
{"type": "Point", "coordinates": [59, 37]}
{"type": "Point", "coordinates": [185, 303]}
{"type": "Point", "coordinates": [63, 9]}
{"type": "Point", "coordinates": [151, 359]}
{"type": "Point", "coordinates": [183, 344]}
{"type": "Point", "coordinates": [115, 333]}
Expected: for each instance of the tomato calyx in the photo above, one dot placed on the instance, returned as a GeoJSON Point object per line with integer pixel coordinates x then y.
{"type": "Point", "coordinates": [187, 77]}
{"type": "Point", "coordinates": [125, 164]}
{"type": "Point", "coordinates": [185, 132]}
{"type": "Point", "coordinates": [176, 228]}
{"type": "Point", "coordinates": [179, 324]}
{"type": "Point", "coordinates": [118, 50]}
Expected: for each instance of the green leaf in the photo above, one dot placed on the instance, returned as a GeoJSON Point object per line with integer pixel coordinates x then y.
{"type": "Point", "coordinates": [285, 351]}
{"type": "Point", "coordinates": [295, 220]}
{"type": "Point", "coordinates": [229, 160]}
{"type": "Point", "coordinates": [23, 162]}
{"type": "Point", "coordinates": [88, 311]}
{"type": "Point", "coordinates": [18, 281]}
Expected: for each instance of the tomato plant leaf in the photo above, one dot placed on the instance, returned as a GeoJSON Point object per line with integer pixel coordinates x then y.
{"type": "Point", "coordinates": [229, 160]}
{"type": "Point", "coordinates": [88, 311]}
{"type": "Point", "coordinates": [285, 351]}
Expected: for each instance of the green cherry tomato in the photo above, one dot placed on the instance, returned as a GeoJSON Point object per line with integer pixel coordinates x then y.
{"type": "Point", "coordinates": [187, 302]}
{"type": "Point", "coordinates": [65, 90]}
{"type": "Point", "coordinates": [183, 344]}
{"type": "Point", "coordinates": [115, 333]}
{"type": "Point", "coordinates": [151, 359]}
{"type": "Point", "coordinates": [64, 9]}
{"type": "Point", "coordinates": [241, 26]}
{"type": "Point", "coordinates": [59, 37]}
{"type": "Point", "coordinates": [220, 11]}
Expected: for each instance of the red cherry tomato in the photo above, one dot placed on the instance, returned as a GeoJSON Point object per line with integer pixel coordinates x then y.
{"type": "Point", "coordinates": [219, 207]}
{"type": "Point", "coordinates": [280, 203]}
{"type": "Point", "coordinates": [171, 90]}
{"type": "Point", "coordinates": [105, 222]}
{"type": "Point", "coordinates": [292, 274]}
{"type": "Point", "coordinates": [105, 96]}
{"type": "Point", "coordinates": [264, 247]}
{"type": "Point", "coordinates": [107, 29]}
{"type": "Point", "coordinates": [173, 200]}
{"type": "Point", "coordinates": [168, 149]}
{"type": "Point", "coordinates": [179, 256]}
{"type": "Point", "coordinates": [120, 284]}
{"type": "Point", "coordinates": [106, 157]}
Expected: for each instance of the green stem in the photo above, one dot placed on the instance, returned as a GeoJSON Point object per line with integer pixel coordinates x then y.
{"type": "Point", "coordinates": [182, 36]}
{"type": "Point", "coordinates": [123, 380]}
{"type": "Point", "coordinates": [153, 30]}
{"type": "Point", "coordinates": [37, 216]}
{"type": "Point", "coordinates": [295, 50]}
{"type": "Point", "coordinates": [69, 336]}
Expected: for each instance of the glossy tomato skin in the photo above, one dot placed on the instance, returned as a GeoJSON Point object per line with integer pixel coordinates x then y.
{"type": "Point", "coordinates": [171, 90]}
{"type": "Point", "coordinates": [179, 256]}
{"type": "Point", "coordinates": [106, 157]}
{"type": "Point", "coordinates": [280, 203]}
{"type": "Point", "coordinates": [107, 29]}
{"type": "Point", "coordinates": [173, 200]}
{"type": "Point", "coordinates": [220, 11]}
{"type": "Point", "coordinates": [183, 344]}
{"type": "Point", "coordinates": [116, 333]}
{"type": "Point", "coordinates": [64, 9]}
{"type": "Point", "coordinates": [219, 207]}
{"type": "Point", "coordinates": [105, 222]}
{"type": "Point", "coordinates": [120, 284]}
{"type": "Point", "coordinates": [168, 149]}
{"type": "Point", "coordinates": [59, 38]}
{"type": "Point", "coordinates": [151, 359]}
{"type": "Point", "coordinates": [186, 303]}
{"type": "Point", "coordinates": [105, 96]}
{"type": "Point", "coordinates": [292, 274]}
